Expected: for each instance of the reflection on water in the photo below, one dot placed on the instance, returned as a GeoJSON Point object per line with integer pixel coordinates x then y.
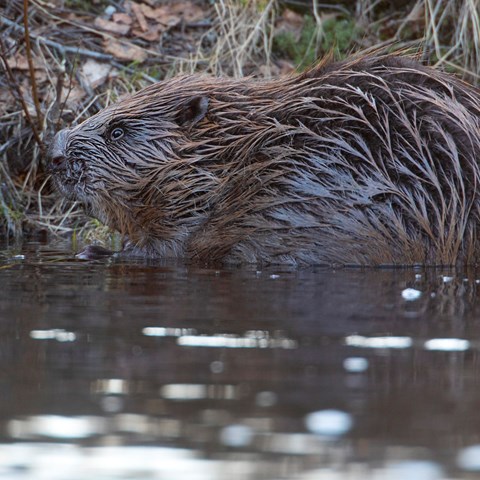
{"type": "Point", "coordinates": [153, 370]}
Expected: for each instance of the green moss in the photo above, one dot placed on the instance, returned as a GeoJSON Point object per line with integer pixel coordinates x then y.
{"type": "Point", "coordinates": [338, 35]}
{"type": "Point", "coordinates": [131, 73]}
{"type": "Point", "coordinates": [96, 232]}
{"type": "Point", "coordinates": [155, 72]}
{"type": "Point", "coordinates": [12, 218]}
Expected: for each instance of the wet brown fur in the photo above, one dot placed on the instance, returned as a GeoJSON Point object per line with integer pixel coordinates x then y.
{"type": "Point", "coordinates": [370, 161]}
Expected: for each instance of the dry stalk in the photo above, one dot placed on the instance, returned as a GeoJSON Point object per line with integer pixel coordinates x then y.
{"type": "Point", "coordinates": [460, 45]}
{"type": "Point", "coordinates": [28, 51]}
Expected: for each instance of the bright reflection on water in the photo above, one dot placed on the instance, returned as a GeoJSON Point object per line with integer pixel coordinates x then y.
{"type": "Point", "coordinates": [143, 370]}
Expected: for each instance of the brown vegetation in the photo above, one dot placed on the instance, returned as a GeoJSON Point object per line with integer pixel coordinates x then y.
{"type": "Point", "coordinates": [63, 60]}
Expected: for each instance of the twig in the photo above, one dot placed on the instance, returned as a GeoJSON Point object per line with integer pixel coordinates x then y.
{"type": "Point", "coordinates": [28, 51]}
{"type": "Point", "coordinates": [58, 46]}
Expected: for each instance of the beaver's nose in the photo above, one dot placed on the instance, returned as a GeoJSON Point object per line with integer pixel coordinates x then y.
{"type": "Point", "coordinates": [56, 151]}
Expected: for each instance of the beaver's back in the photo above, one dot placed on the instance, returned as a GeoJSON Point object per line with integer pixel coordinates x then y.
{"type": "Point", "coordinates": [366, 162]}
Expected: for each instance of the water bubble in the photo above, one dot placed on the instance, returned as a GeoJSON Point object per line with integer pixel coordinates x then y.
{"type": "Point", "coordinates": [378, 342]}
{"type": "Point", "coordinates": [331, 423]}
{"type": "Point", "coordinates": [112, 404]}
{"type": "Point", "coordinates": [58, 334]}
{"type": "Point", "coordinates": [355, 364]}
{"type": "Point", "coordinates": [56, 426]}
{"type": "Point", "coordinates": [65, 337]}
{"type": "Point", "coordinates": [236, 436]}
{"type": "Point", "coordinates": [447, 344]}
{"type": "Point", "coordinates": [411, 294]}
{"type": "Point", "coordinates": [217, 366]}
{"type": "Point", "coordinates": [414, 469]}
{"type": "Point", "coordinates": [266, 399]}
{"type": "Point", "coordinates": [469, 458]}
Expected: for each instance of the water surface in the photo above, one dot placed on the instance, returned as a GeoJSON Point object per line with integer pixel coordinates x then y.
{"type": "Point", "coordinates": [120, 369]}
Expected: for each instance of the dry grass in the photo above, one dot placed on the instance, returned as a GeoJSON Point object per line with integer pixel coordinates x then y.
{"type": "Point", "coordinates": [240, 38]}
{"type": "Point", "coordinates": [452, 35]}
{"type": "Point", "coordinates": [239, 41]}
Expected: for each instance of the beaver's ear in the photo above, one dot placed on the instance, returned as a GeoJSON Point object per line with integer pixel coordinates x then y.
{"type": "Point", "coordinates": [193, 111]}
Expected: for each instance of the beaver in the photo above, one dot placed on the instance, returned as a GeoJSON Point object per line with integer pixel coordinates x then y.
{"type": "Point", "coordinates": [367, 161]}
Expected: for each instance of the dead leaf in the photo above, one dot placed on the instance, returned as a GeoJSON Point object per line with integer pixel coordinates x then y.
{"type": "Point", "coordinates": [290, 22]}
{"type": "Point", "coordinates": [142, 21]}
{"type": "Point", "coordinates": [20, 62]}
{"type": "Point", "coordinates": [71, 95]}
{"type": "Point", "coordinates": [95, 73]}
{"type": "Point", "coordinates": [74, 96]}
{"type": "Point", "coordinates": [146, 10]}
{"type": "Point", "coordinates": [41, 76]}
{"type": "Point", "coordinates": [125, 52]}
{"type": "Point", "coordinates": [285, 67]}
{"type": "Point", "coordinates": [189, 11]}
{"type": "Point", "coordinates": [293, 18]}
{"type": "Point", "coordinates": [112, 27]}
{"type": "Point", "coordinates": [122, 18]}
{"type": "Point", "coordinates": [151, 35]}
{"type": "Point", "coordinates": [171, 14]}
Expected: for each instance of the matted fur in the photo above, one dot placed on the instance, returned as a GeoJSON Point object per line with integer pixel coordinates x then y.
{"type": "Point", "coordinates": [370, 161]}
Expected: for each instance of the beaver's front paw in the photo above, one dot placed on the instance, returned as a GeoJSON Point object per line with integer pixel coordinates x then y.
{"type": "Point", "coordinates": [94, 252]}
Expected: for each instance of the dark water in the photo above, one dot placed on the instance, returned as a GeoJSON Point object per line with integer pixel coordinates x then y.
{"type": "Point", "coordinates": [130, 370]}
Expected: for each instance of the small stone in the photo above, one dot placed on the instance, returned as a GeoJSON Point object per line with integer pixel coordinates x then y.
{"type": "Point", "coordinates": [109, 11]}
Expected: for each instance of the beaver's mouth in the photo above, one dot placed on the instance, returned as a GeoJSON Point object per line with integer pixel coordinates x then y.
{"type": "Point", "coordinates": [71, 188]}
{"type": "Point", "coordinates": [75, 190]}
{"type": "Point", "coordinates": [78, 188]}
{"type": "Point", "coordinates": [70, 178]}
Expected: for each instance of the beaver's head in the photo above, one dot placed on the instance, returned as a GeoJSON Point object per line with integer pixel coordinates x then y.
{"type": "Point", "coordinates": [126, 164]}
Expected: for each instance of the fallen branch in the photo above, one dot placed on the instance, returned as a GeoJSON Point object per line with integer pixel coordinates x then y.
{"type": "Point", "coordinates": [76, 50]}
{"type": "Point", "coordinates": [58, 46]}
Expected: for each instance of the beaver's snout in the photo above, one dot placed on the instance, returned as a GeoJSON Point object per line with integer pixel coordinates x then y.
{"type": "Point", "coordinates": [56, 154]}
{"type": "Point", "coordinates": [67, 168]}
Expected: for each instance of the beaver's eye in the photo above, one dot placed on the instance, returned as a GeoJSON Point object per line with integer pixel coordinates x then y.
{"type": "Point", "coordinates": [117, 133]}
